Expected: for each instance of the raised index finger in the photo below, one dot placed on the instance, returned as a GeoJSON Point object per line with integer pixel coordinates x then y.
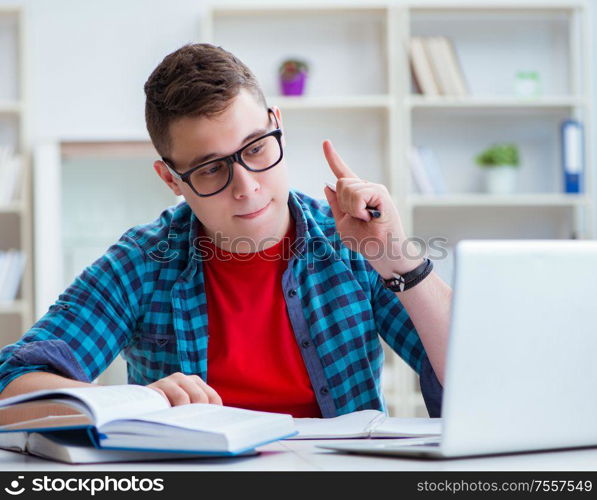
{"type": "Point", "coordinates": [335, 162]}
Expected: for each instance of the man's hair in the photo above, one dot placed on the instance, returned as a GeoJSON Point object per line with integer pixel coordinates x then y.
{"type": "Point", "coordinates": [197, 80]}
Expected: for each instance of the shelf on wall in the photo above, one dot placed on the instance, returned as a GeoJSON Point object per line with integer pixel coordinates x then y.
{"type": "Point", "coordinates": [488, 200]}
{"type": "Point", "coordinates": [530, 7]}
{"type": "Point", "coordinates": [233, 9]}
{"type": "Point", "coordinates": [13, 307]}
{"type": "Point", "coordinates": [10, 107]}
{"type": "Point", "coordinates": [481, 102]}
{"type": "Point", "coordinates": [331, 102]}
{"type": "Point", "coordinates": [11, 208]}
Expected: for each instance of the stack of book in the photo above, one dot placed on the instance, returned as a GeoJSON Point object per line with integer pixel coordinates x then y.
{"type": "Point", "coordinates": [435, 67]}
{"type": "Point", "coordinates": [131, 422]}
{"type": "Point", "coordinates": [426, 173]}
{"type": "Point", "coordinates": [10, 176]}
{"type": "Point", "coordinates": [12, 266]}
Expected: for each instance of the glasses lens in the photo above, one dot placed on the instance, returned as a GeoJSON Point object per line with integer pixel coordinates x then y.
{"type": "Point", "coordinates": [262, 154]}
{"type": "Point", "coordinates": [210, 178]}
{"type": "Point", "coordinates": [259, 155]}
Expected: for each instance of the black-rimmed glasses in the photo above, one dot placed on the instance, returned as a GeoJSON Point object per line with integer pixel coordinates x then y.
{"type": "Point", "coordinates": [213, 176]}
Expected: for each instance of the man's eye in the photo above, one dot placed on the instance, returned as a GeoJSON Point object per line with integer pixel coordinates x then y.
{"type": "Point", "coordinates": [211, 170]}
{"type": "Point", "coordinates": [253, 150]}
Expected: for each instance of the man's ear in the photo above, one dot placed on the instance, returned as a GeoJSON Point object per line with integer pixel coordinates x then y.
{"type": "Point", "coordinates": [278, 114]}
{"type": "Point", "coordinates": [166, 176]}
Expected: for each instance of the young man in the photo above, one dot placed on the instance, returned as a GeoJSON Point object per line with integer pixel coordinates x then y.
{"type": "Point", "coordinates": [210, 304]}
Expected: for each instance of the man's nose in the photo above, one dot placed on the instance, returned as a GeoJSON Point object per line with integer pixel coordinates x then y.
{"type": "Point", "coordinates": [244, 182]}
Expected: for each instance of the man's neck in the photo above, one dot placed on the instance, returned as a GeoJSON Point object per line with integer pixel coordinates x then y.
{"type": "Point", "coordinates": [246, 244]}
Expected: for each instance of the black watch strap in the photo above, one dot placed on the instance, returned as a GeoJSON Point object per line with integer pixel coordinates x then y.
{"type": "Point", "coordinates": [402, 282]}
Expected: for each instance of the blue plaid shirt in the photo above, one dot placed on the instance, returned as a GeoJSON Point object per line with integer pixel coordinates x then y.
{"type": "Point", "coordinates": [145, 298]}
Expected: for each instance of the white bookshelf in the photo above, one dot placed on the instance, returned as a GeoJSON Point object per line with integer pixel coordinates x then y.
{"type": "Point", "coordinates": [330, 102]}
{"type": "Point", "coordinates": [480, 102]}
{"type": "Point", "coordinates": [488, 200]}
{"type": "Point", "coordinates": [15, 218]}
{"type": "Point", "coordinates": [81, 210]}
{"type": "Point", "coordinates": [381, 114]}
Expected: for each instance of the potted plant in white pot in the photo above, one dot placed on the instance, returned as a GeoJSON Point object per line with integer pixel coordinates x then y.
{"type": "Point", "coordinates": [501, 163]}
{"type": "Point", "coordinates": [293, 76]}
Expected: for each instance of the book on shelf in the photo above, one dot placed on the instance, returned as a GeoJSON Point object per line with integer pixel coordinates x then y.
{"type": "Point", "coordinates": [366, 424]}
{"type": "Point", "coordinates": [455, 68]}
{"type": "Point", "coordinates": [421, 67]}
{"type": "Point", "coordinates": [436, 68]}
{"type": "Point", "coordinates": [138, 418]}
{"type": "Point", "coordinates": [10, 176]}
{"type": "Point", "coordinates": [426, 172]}
{"type": "Point", "coordinates": [439, 65]}
{"type": "Point", "coordinates": [431, 166]}
{"type": "Point", "coordinates": [12, 267]}
{"type": "Point", "coordinates": [572, 148]}
{"type": "Point", "coordinates": [74, 447]}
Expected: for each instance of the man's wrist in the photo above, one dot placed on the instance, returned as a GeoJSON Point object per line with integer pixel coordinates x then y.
{"type": "Point", "coordinates": [400, 266]}
{"type": "Point", "coordinates": [402, 282]}
{"type": "Point", "coordinates": [402, 263]}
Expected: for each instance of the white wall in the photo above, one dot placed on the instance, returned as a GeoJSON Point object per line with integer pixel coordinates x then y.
{"type": "Point", "coordinates": [88, 61]}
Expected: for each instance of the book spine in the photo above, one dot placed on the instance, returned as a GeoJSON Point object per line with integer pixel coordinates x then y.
{"type": "Point", "coordinates": [572, 141]}
{"type": "Point", "coordinates": [432, 169]}
{"type": "Point", "coordinates": [7, 271]}
{"type": "Point", "coordinates": [17, 266]}
{"type": "Point", "coordinates": [94, 436]}
{"type": "Point", "coordinates": [434, 54]}
{"type": "Point", "coordinates": [455, 69]}
{"type": "Point", "coordinates": [418, 172]}
{"type": "Point", "coordinates": [421, 65]}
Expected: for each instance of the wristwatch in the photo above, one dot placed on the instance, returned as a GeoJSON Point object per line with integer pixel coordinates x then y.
{"type": "Point", "coordinates": [402, 282]}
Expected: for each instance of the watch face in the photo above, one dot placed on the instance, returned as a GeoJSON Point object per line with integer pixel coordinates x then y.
{"type": "Point", "coordinates": [398, 282]}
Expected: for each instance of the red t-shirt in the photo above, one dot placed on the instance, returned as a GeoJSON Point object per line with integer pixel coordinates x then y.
{"type": "Point", "coordinates": [253, 358]}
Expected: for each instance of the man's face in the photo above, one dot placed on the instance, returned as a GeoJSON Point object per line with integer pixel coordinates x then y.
{"type": "Point", "coordinates": [262, 195]}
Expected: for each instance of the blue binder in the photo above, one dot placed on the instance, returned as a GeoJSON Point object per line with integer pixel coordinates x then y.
{"type": "Point", "coordinates": [572, 147]}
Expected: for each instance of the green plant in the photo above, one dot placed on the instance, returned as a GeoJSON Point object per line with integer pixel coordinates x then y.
{"type": "Point", "coordinates": [499, 154]}
{"type": "Point", "coordinates": [289, 68]}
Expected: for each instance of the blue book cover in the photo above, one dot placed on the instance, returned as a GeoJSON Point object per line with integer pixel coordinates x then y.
{"type": "Point", "coordinates": [572, 148]}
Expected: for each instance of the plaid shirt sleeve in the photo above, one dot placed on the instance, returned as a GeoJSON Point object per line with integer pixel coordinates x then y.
{"type": "Point", "coordinates": [89, 324]}
{"type": "Point", "coordinates": [396, 328]}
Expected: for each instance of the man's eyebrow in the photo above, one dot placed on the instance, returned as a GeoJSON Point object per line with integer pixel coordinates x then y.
{"type": "Point", "coordinates": [202, 159]}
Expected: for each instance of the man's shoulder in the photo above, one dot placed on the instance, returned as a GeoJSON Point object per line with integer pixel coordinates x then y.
{"type": "Point", "coordinates": [171, 226]}
{"type": "Point", "coordinates": [317, 213]}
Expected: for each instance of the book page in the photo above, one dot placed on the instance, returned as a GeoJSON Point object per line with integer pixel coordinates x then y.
{"type": "Point", "coordinates": [351, 425]}
{"type": "Point", "coordinates": [76, 448]}
{"type": "Point", "coordinates": [119, 401]}
{"type": "Point", "coordinates": [199, 417]}
{"type": "Point", "coordinates": [407, 427]}
{"type": "Point", "coordinates": [103, 402]}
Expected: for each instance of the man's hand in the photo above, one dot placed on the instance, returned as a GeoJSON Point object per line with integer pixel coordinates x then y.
{"type": "Point", "coordinates": [181, 389]}
{"type": "Point", "coordinates": [382, 241]}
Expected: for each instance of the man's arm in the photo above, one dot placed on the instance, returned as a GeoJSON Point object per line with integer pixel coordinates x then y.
{"type": "Point", "coordinates": [178, 389]}
{"type": "Point", "coordinates": [86, 328]}
{"type": "Point", "coordinates": [428, 305]}
{"type": "Point", "coordinates": [382, 241]}
{"type": "Point", "coordinates": [36, 381]}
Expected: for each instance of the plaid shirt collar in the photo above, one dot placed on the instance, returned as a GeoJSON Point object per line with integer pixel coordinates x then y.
{"type": "Point", "coordinates": [185, 221]}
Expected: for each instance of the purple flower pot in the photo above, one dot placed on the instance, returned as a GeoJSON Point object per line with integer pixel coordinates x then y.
{"type": "Point", "coordinates": [296, 86]}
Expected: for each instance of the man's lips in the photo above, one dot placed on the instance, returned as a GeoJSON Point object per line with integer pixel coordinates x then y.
{"type": "Point", "coordinates": [250, 215]}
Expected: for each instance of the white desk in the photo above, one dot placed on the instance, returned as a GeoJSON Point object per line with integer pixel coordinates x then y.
{"type": "Point", "coordinates": [304, 456]}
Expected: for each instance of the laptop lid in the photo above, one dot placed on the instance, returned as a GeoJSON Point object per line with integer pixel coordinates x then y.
{"type": "Point", "coordinates": [521, 366]}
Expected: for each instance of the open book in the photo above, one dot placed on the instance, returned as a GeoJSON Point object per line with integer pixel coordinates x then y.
{"type": "Point", "coordinates": [74, 447]}
{"type": "Point", "coordinates": [366, 424]}
{"type": "Point", "coordinates": [133, 417]}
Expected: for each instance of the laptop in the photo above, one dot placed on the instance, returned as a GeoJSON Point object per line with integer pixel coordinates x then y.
{"type": "Point", "coordinates": [521, 367]}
